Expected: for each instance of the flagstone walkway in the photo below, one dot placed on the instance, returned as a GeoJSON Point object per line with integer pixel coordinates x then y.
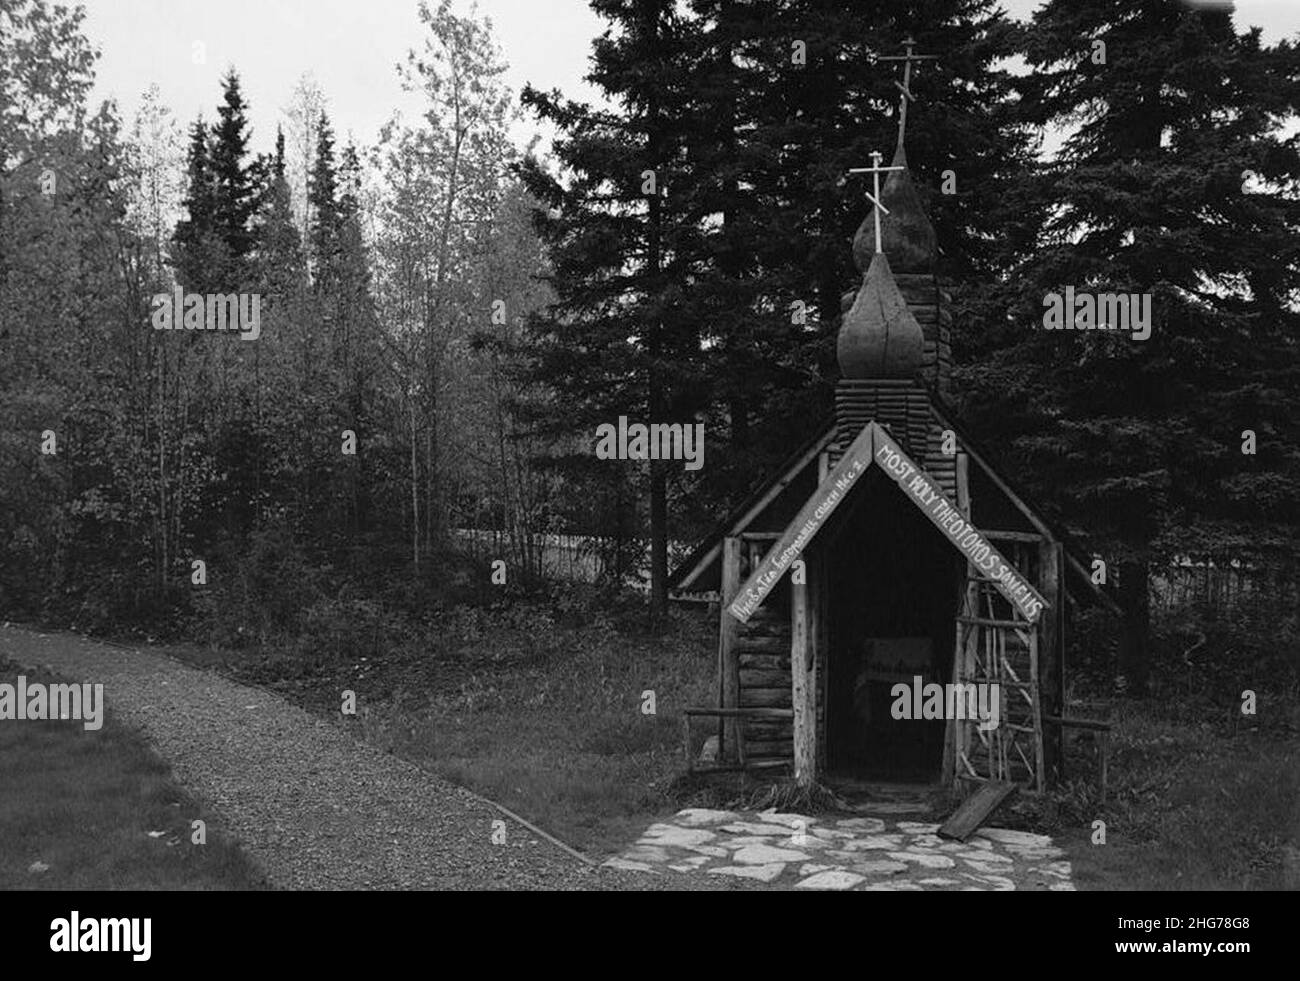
{"type": "Point", "coordinates": [861, 853]}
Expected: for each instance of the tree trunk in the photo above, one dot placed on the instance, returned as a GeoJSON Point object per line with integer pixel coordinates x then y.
{"type": "Point", "coordinates": [658, 539]}
{"type": "Point", "coordinates": [1134, 647]}
{"type": "Point", "coordinates": [415, 493]}
{"type": "Point", "coordinates": [739, 423]}
{"type": "Point", "coordinates": [658, 400]}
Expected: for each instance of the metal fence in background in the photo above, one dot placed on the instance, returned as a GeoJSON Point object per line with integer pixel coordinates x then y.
{"type": "Point", "coordinates": [1184, 582]}
{"type": "Point", "coordinates": [563, 558]}
{"type": "Point", "coordinates": [1223, 585]}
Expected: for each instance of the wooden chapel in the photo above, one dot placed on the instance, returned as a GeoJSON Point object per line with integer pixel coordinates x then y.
{"type": "Point", "coordinates": [888, 550]}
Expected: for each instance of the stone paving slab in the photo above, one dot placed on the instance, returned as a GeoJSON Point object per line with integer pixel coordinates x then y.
{"type": "Point", "coordinates": [878, 853]}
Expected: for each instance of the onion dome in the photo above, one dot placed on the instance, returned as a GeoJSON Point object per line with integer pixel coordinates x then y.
{"type": "Point", "coordinates": [906, 233]}
{"type": "Point", "coordinates": [879, 337]}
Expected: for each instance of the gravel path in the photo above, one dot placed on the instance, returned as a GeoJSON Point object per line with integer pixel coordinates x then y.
{"type": "Point", "coordinates": [312, 806]}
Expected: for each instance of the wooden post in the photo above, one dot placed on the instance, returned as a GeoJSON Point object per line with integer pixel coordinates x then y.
{"type": "Point", "coordinates": [1052, 650]}
{"type": "Point", "coordinates": [1105, 755]}
{"type": "Point", "coordinates": [728, 659]}
{"type": "Point", "coordinates": [954, 743]}
{"type": "Point", "coordinates": [817, 591]}
{"type": "Point", "coordinates": [818, 632]}
{"type": "Point", "coordinates": [803, 695]}
{"type": "Point", "coordinates": [686, 738]}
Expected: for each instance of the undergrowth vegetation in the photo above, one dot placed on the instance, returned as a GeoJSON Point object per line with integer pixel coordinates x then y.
{"type": "Point", "coordinates": [541, 699]}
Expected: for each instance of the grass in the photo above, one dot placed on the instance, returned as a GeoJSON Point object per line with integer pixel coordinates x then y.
{"type": "Point", "coordinates": [539, 706]}
{"type": "Point", "coordinates": [78, 806]}
{"type": "Point", "coordinates": [564, 735]}
{"type": "Point", "coordinates": [1202, 799]}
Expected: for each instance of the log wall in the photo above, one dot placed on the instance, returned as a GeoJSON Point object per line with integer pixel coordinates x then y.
{"type": "Point", "coordinates": [763, 652]}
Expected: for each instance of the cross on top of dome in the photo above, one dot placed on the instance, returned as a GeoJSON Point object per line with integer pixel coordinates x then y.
{"type": "Point", "coordinates": [907, 237]}
{"type": "Point", "coordinates": [905, 85]}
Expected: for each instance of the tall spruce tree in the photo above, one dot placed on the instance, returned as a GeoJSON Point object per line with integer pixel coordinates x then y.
{"type": "Point", "coordinates": [322, 199]}
{"type": "Point", "coordinates": [619, 341]}
{"type": "Point", "coordinates": [787, 97]}
{"type": "Point", "coordinates": [762, 109]}
{"type": "Point", "coordinates": [199, 254]}
{"type": "Point", "coordinates": [235, 181]}
{"type": "Point", "coordinates": [281, 263]}
{"type": "Point", "coordinates": [1139, 443]}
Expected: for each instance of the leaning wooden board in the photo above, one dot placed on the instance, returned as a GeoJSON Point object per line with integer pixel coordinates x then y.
{"type": "Point", "coordinates": [976, 809]}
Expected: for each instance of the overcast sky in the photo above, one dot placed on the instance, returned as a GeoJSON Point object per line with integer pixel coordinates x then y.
{"type": "Point", "coordinates": [352, 46]}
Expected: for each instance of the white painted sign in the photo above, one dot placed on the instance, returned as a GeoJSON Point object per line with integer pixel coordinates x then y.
{"type": "Point", "coordinates": [874, 445]}
{"type": "Point", "coordinates": [969, 540]}
{"type": "Point", "coordinates": [820, 506]}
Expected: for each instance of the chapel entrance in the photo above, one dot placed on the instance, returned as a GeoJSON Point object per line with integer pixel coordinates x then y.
{"type": "Point", "coordinates": [895, 585]}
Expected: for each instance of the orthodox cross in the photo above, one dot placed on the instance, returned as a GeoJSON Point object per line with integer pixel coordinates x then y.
{"type": "Point", "coordinates": [875, 170]}
{"type": "Point", "coordinates": [905, 86]}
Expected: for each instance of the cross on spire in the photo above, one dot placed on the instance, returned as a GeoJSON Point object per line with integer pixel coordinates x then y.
{"type": "Point", "coordinates": [875, 170]}
{"type": "Point", "coordinates": [905, 86]}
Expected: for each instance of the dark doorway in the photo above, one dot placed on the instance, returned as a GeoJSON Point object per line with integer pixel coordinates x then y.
{"type": "Point", "coordinates": [894, 585]}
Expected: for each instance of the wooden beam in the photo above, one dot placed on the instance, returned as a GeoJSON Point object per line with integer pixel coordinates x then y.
{"type": "Point", "coordinates": [817, 590]}
{"type": "Point", "coordinates": [803, 695]}
{"type": "Point", "coordinates": [754, 643]}
{"type": "Point", "coordinates": [1052, 670]}
{"type": "Point", "coordinates": [743, 713]}
{"type": "Point", "coordinates": [1015, 536]}
{"type": "Point", "coordinates": [1035, 651]}
{"type": "Point", "coordinates": [977, 809]}
{"type": "Point", "coordinates": [1092, 724]}
{"type": "Point", "coordinates": [951, 732]}
{"type": "Point", "coordinates": [962, 472]}
{"type": "Point", "coordinates": [1019, 625]}
{"type": "Point", "coordinates": [728, 659]}
{"type": "Point", "coordinates": [818, 631]}
{"type": "Point", "coordinates": [766, 697]}
{"type": "Point", "coordinates": [686, 740]}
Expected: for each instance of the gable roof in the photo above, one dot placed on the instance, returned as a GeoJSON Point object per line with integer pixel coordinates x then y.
{"type": "Point", "coordinates": [739, 518]}
{"type": "Point", "coordinates": [1046, 527]}
{"type": "Point", "coordinates": [920, 489]}
{"type": "Point", "coordinates": [699, 561]}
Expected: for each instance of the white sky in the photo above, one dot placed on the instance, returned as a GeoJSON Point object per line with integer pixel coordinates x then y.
{"type": "Point", "coordinates": [352, 46]}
